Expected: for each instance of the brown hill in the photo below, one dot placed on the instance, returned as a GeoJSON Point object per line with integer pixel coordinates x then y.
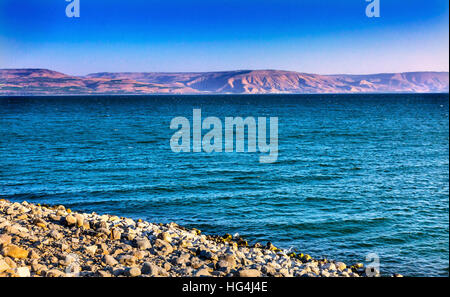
{"type": "Point", "coordinates": [43, 81]}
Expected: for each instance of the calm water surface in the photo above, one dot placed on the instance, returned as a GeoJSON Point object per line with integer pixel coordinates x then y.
{"type": "Point", "coordinates": [355, 173]}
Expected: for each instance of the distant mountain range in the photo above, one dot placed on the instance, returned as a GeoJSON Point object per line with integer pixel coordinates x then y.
{"type": "Point", "coordinates": [48, 82]}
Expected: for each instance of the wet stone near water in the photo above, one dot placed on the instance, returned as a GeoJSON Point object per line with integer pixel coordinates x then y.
{"type": "Point", "coordinates": [92, 245]}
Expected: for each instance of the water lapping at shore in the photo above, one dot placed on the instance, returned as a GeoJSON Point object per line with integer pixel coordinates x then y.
{"type": "Point", "coordinates": [355, 174]}
{"type": "Point", "coordinates": [46, 241]}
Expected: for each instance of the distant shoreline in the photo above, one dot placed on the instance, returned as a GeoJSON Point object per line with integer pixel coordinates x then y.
{"type": "Point", "coordinates": [224, 94]}
{"type": "Point", "coordinates": [49, 82]}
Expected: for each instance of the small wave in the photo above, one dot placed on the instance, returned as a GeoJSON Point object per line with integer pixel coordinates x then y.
{"type": "Point", "coordinates": [325, 199]}
{"type": "Point", "coordinates": [338, 226]}
{"type": "Point", "coordinates": [146, 141]}
{"type": "Point", "coordinates": [289, 161]}
{"type": "Point", "coordinates": [89, 161]}
{"type": "Point", "coordinates": [306, 178]}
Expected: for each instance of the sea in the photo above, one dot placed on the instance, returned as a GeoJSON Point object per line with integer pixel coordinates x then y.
{"type": "Point", "coordinates": [356, 175]}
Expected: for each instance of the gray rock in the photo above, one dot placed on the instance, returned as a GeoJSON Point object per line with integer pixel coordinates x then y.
{"type": "Point", "coordinates": [143, 244]}
{"type": "Point", "coordinates": [133, 272]}
{"type": "Point", "coordinates": [55, 273]}
{"type": "Point", "coordinates": [206, 254]}
{"type": "Point", "coordinates": [56, 235]}
{"type": "Point", "coordinates": [103, 273]}
{"type": "Point", "coordinates": [127, 260]}
{"type": "Point", "coordinates": [151, 269]}
{"type": "Point", "coordinates": [110, 260]}
{"type": "Point", "coordinates": [163, 246]}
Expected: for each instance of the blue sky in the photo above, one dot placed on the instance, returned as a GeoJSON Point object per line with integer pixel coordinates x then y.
{"type": "Point", "coordinates": [315, 36]}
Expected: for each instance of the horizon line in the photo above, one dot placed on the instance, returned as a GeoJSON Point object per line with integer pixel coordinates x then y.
{"type": "Point", "coordinates": [233, 70]}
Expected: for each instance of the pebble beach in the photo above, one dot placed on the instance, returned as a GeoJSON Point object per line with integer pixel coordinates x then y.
{"type": "Point", "coordinates": [52, 241]}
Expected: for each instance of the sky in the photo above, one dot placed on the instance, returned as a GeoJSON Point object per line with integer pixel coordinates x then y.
{"type": "Point", "coordinates": [313, 36]}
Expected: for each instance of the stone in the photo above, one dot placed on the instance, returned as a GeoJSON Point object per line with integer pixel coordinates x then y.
{"type": "Point", "coordinates": [143, 244]}
{"type": "Point", "coordinates": [23, 272]}
{"type": "Point", "coordinates": [329, 266]}
{"type": "Point", "coordinates": [133, 272]}
{"type": "Point", "coordinates": [185, 243]}
{"type": "Point", "coordinates": [17, 230]}
{"type": "Point", "coordinates": [202, 272]}
{"type": "Point", "coordinates": [10, 262]}
{"type": "Point", "coordinates": [130, 236]}
{"type": "Point", "coordinates": [80, 219]}
{"type": "Point", "coordinates": [127, 260]}
{"type": "Point", "coordinates": [86, 225]}
{"type": "Point", "coordinates": [110, 260]}
{"type": "Point", "coordinates": [285, 272]}
{"type": "Point", "coordinates": [165, 236]}
{"type": "Point", "coordinates": [5, 239]}
{"type": "Point", "coordinates": [182, 259]}
{"type": "Point", "coordinates": [22, 217]}
{"type": "Point", "coordinates": [206, 254]}
{"type": "Point", "coordinates": [91, 249]}
{"type": "Point", "coordinates": [114, 218]}
{"type": "Point", "coordinates": [56, 235]}
{"type": "Point", "coordinates": [104, 249]}
{"type": "Point", "coordinates": [139, 254]}
{"type": "Point", "coordinates": [163, 246]}
{"type": "Point", "coordinates": [55, 218]}
{"type": "Point", "coordinates": [130, 222]}
{"type": "Point", "coordinates": [103, 273]}
{"type": "Point", "coordinates": [269, 270]}
{"type": "Point", "coordinates": [70, 220]}
{"type": "Point", "coordinates": [228, 260]}
{"type": "Point", "coordinates": [167, 266]}
{"type": "Point", "coordinates": [105, 231]}
{"type": "Point", "coordinates": [55, 273]}
{"type": "Point", "coordinates": [3, 265]}
{"type": "Point", "coordinates": [115, 234]}
{"type": "Point", "coordinates": [151, 269]}
{"type": "Point", "coordinates": [15, 252]}
{"type": "Point", "coordinates": [249, 273]}
{"type": "Point", "coordinates": [40, 223]}
{"type": "Point", "coordinates": [39, 269]}
{"type": "Point", "coordinates": [69, 259]}
{"type": "Point", "coordinates": [341, 266]}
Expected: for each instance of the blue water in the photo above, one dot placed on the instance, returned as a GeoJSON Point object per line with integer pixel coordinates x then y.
{"type": "Point", "coordinates": [355, 173]}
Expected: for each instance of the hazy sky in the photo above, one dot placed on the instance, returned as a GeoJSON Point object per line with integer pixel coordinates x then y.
{"type": "Point", "coordinates": [316, 36]}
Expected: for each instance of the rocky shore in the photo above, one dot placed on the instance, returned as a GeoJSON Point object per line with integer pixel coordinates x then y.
{"type": "Point", "coordinates": [52, 241]}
